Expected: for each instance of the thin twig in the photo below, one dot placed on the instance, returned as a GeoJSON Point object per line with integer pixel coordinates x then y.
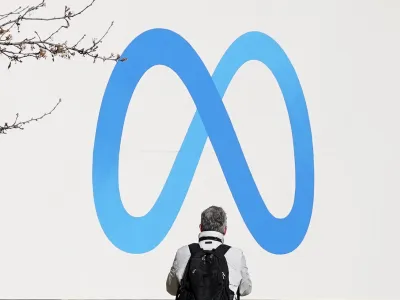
{"type": "Point", "coordinates": [20, 124]}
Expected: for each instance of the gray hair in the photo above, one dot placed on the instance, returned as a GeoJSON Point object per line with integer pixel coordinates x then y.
{"type": "Point", "coordinates": [213, 219]}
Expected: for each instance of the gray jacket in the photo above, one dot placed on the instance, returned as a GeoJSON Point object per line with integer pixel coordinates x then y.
{"type": "Point", "coordinates": [239, 279]}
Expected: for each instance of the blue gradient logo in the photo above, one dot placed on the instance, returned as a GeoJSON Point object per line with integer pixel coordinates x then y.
{"type": "Point", "coordinates": [211, 120]}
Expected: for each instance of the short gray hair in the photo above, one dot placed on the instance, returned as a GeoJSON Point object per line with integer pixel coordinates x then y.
{"type": "Point", "coordinates": [213, 219]}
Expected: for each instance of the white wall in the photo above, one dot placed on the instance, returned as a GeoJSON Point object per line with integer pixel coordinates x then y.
{"type": "Point", "coordinates": [346, 54]}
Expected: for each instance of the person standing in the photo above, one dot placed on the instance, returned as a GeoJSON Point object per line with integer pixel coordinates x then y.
{"type": "Point", "coordinates": [209, 269]}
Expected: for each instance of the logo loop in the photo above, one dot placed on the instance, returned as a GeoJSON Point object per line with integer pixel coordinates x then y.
{"type": "Point", "coordinates": [211, 120]}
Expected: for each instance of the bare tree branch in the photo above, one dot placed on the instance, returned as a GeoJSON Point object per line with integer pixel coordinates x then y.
{"type": "Point", "coordinates": [42, 46]}
{"type": "Point", "coordinates": [20, 124]}
{"type": "Point", "coordinates": [37, 47]}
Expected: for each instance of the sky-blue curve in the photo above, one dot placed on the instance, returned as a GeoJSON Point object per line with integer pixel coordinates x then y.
{"type": "Point", "coordinates": [211, 120]}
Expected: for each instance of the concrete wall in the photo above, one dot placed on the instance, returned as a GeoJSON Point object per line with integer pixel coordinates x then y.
{"type": "Point", "coordinates": [302, 151]}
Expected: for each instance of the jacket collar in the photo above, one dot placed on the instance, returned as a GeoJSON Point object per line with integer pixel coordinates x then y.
{"type": "Point", "coordinates": [214, 234]}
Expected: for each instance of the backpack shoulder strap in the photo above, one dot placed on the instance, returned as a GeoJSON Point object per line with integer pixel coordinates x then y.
{"type": "Point", "coordinates": [220, 252]}
{"type": "Point", "coordinates": [222, 249]}
{"type": "Point", "coordinates": [194, 248]}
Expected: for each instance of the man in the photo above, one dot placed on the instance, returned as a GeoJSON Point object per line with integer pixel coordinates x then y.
{"type": "Point", "coordinates": [213, 228]}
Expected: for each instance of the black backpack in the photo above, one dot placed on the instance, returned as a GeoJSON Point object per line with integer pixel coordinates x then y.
{"type": "Point", "coordinates": [206, 275]}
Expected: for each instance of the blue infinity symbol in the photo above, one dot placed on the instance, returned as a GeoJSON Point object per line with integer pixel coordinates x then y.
{"type": "Point", "coordinates": [164, 47]}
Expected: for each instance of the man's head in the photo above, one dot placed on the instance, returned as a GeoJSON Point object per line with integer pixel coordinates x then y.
{"type": "Point", "coordinates": [213, 219]}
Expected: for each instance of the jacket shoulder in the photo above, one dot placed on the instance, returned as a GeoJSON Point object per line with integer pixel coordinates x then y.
{"type": "Point", "coordinates": [234, 257]}
{"type": "Point", "coordinates": [235, 251]}
{"type": "Point", "coordinates": [183, 251]}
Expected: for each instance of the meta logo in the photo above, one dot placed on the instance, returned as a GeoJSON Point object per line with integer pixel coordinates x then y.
{"type": "Point", "coordinates": [211, 120]}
